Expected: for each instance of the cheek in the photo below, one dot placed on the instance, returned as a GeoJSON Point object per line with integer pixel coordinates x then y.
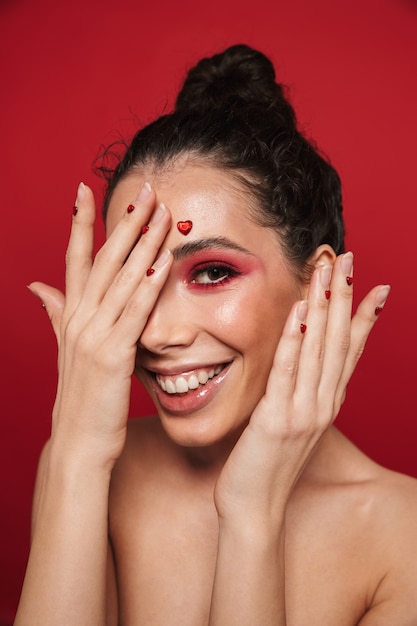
{"type": "Point", "coordinates": [247, 319]}
{"type": "Point", "coordinates": [227, 315]}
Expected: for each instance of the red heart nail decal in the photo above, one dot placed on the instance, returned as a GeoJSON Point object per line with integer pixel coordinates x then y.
{"type": "Point", "coordinates": [185, 227]}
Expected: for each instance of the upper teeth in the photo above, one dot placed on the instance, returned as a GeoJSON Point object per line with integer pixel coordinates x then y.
{"type": "Point", "coordinates": [186, 382]}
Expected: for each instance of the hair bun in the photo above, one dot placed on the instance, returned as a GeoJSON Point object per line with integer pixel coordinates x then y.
{"type": "Point", "coordinates": [238, 77]}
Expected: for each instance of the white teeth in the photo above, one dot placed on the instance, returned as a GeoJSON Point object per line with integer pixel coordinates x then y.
{"type": "Point", "coordinates": [193, 382]}
{"type": "Point", "coordinates": [170, 387]}
{"type": "Point", "coordinates": [203, 377]}
{"type": "Point", "coordinates": [181, 384]}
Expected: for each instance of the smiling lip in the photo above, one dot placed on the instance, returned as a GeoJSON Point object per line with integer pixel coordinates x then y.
{"type": "Point", "coordinates": [189, 391]}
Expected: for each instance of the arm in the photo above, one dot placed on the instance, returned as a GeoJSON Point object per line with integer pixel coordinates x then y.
{"type": "Point", "coordinates": [303, 396]}
{"type": "Point", "coordinates": [97, 326]}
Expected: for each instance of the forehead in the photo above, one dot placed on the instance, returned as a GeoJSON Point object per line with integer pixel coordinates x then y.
{"type": "Point", "coordinates": [184, 186]}
{"type": "Point", "coordinates": [216, 201]}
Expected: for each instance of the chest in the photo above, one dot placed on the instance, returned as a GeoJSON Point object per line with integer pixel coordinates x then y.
{"type": "Point", "coordinates": [165, 545]}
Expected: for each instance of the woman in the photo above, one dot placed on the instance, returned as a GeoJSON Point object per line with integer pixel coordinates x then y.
{"type": "Point", "coordinates": [225, 288]}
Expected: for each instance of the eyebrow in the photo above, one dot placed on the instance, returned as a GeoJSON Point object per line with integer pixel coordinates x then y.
{"type": "Point", "coordinates": [220, 243]}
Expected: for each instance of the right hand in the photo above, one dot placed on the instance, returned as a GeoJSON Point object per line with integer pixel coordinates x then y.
{"type": "Point", "coordinates": [99, 321]}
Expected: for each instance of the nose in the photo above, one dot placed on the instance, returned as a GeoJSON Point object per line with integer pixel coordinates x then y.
{"type": "Point", "coordinates": [170, 324]}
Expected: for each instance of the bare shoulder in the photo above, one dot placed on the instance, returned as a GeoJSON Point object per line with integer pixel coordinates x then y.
{"type": "Point", "coordinates": [383, 506]}
{"type": "Point", "coordinates": [393, 518]}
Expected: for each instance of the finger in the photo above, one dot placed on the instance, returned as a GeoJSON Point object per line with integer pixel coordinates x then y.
{"type": "Point", "coordinates": [284, 371]}
{"type": "Point", "coordinates": [364, 320]}
{"type": "Point", "coordinates": [137, 267]}
{"type": "Point", "coordinates": [313, 348]}
{"type": "Point", "coordinates": [80, 248]}
{"type": "Point", "coordinates": [113, 255]}
{"type": "Point", "coordinates": [135, 314]}
{"type": "Point", "coordinates": [337, 340]}
{"type": "Point", "coordinates": [53, 301]}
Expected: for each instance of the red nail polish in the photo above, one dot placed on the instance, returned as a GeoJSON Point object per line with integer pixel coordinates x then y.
{"type": "Point", "coordinates": [130, 208]}
{"type": "Point", "coordinates": [303, 328]}
{"type": "Point", "coordinates": [145, 229]}
{"type": "Point", "coordinates": [74, 210]}
{"type": "Point", "coordinates": [349, 280]}
{"type": "Point", "coordinates": [378, 310]}
{"type": "Point", "coordinates": [327, 293]}
{"type": "Point", "coordinates": [150, 271]}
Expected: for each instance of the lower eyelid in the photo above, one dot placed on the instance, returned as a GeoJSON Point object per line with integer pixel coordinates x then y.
{"type": "Point", "coordinates": [229, 274]}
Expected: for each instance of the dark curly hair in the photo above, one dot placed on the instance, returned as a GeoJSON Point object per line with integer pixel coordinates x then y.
{"type": "Point", "coordinates": [232, 114]}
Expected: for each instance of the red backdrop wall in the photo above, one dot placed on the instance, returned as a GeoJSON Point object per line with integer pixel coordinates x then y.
{"type": "Point", "coordinates": [72, 74]}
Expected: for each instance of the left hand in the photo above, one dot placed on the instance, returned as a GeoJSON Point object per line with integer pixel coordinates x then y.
{"type": "Point", "coordinates": [304, 393]}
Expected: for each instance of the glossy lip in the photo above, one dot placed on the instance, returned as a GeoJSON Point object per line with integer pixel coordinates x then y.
{"type": "Point", "coordinates": [190, 402]}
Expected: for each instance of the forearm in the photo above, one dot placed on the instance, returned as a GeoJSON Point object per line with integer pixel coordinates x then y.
{"type": "Point", "coordinates": [66, 575]}
{"type": "Point", "coordinates": [249, 584]}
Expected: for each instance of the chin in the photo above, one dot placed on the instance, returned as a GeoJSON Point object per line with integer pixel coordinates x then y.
{"type": "Point", "coordinates": [201, 432]}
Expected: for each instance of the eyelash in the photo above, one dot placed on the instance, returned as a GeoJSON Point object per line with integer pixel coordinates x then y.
{"type": "Point", "coordinates": [226, 272]}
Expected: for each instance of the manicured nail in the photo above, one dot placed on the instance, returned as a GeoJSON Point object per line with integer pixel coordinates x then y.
{"type": "Point", "coordinates": [35, 294]}
{"type": "Point", "coordinates": [159, 213]}
{"type": "Point", "coordinates": [143, 193]}
{"type": "Point", "coordinates": [302, 314]}
{"type": "Point", "coordinates": [347, 267]}
{"type": "Point", "coordinates": [162, 259]}
{"type": "Point", "coordinates": [381, 298]}
{"type": "Point", "coordinates": [160, 262]}
{"type": "Point", "coordinates": [79, 198]}
{"type": "Point", "coordinates": [325, 275]}
{"type": "Point", "coordinates": [80, 193]}
{"type": "Point", "coordinates": [141, 197]}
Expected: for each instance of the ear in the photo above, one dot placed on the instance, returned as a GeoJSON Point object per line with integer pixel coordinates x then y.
{"type": "Point", "coordinates": [323, 255]}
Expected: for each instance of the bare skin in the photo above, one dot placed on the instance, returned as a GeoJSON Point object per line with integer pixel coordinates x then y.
{"type": "Point", "coordinates": [342, 557]}
{"type": "Point", "coordinates": [240, 503]}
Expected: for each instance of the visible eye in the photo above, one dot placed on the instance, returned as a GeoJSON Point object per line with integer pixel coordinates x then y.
{"type": "Point", "coordinates": [214, 274]}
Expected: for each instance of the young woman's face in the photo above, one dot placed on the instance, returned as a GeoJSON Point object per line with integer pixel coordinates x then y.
{"type": "Point", "coordinates": [207, 349]}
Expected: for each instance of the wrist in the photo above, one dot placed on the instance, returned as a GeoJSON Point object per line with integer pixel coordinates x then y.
{"type": "Point", "coordinates": [69, 458]}
{"type": "Point", "coordinates": [254, 531]}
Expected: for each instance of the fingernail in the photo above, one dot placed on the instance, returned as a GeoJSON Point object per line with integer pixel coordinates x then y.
{"type": "Point", "coordinates": [35, 294]}
{"type": "Point", "coordinates": [302, 314]}
{"type": "Point", "coordinates": [80, 193]}
{"type": "Point", "coordinates": [381, 298]}
{"type": "Point", "coordinates": [347, 267]}
{"type": "Point", "coordinates": [159, 213]}
{"type": "Point", "coordinates": [79, 198]}
{"type": "Point", "coordinates": [160, 262]}
{"type": "Point", "coordinates": [144, 193]}
{"type": "Point", "coordinates": [325, 275]}
{"type": "Point", "coordinates": [162, 259]}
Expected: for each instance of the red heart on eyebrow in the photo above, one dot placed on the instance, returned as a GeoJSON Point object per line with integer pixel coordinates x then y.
{"type": "Point", "coordinates": [185, 227]}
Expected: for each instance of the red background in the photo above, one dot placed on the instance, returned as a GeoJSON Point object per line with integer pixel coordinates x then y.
{"type": "Point", "coordinates": [72, 74]}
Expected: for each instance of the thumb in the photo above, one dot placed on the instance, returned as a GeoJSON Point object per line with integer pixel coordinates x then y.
{"type": "Point", "coordinates": [53, 300]}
